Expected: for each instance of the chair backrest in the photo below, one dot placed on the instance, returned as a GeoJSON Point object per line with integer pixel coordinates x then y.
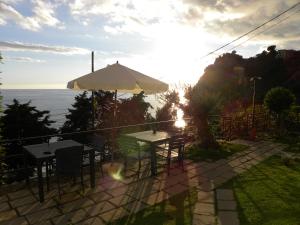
{"type": "Point", "coordinates": [69, 160]}
{"type": "Point", "coordinates": [177, 141]}
{"type": "Point", "coordinates": [97, 142]}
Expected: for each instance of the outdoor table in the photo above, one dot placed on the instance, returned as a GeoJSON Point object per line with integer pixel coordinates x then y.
{"type": "Point", "coordinates": [153, 138]}
{"type": "Point", "coordinates": [46, 152]}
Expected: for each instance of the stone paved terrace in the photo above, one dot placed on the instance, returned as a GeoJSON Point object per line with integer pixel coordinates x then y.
{"type": "Point", "coordinates": [112, 199]}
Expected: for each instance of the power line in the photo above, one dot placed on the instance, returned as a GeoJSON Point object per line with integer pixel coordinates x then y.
{"type": "Point", "coordinates": [263, 31]}
{"type": "Point", "coordinates": [251, 31]}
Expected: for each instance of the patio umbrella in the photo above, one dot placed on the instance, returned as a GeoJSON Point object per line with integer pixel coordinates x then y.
{"type": "Point", "coordinates": [117, 77]}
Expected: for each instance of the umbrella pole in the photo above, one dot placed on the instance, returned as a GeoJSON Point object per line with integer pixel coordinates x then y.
{"type": "Point", "coordinates": [93, 97]}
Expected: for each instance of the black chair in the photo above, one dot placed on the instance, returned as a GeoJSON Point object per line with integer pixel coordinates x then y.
{"type": "Point", "coordinates": [133, 150]}
{"type": "Point", "coordinates": [172, 150]}
{"type": "Point", "coordinates": [69, 164]}
{"type": "Point", "coordinates": [98, 143]}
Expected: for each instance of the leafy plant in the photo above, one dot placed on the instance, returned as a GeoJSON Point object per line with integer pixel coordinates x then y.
{"type": "Point", "coordinates": [23, 121]}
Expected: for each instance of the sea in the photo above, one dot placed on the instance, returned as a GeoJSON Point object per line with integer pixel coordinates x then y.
{"type": "Point", "coordinates": [56, 101]}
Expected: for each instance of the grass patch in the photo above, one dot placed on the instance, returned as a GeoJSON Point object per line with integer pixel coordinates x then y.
{"type": "Point", "coordinates": [268, 194]}
{"type": "Point", "coordinates": [225, 150]}
{"type": "Point", "coordinates": [177, 210]}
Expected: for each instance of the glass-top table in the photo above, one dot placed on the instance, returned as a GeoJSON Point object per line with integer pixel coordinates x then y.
{"type": "Point", "coordinates": [153, 138]}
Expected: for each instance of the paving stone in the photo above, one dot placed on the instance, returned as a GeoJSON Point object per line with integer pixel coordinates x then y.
{"type": "Point", "coordinates": [3, 198]}
{"type": "Point", "coordinates": [121, 200]}
{"type": "Point", "coordinates": [7, 215]}
{"type": "Point", "coordinates": [228, 218]}
{"type": "Point", "coordinates": [68, 197]}
{"type": "Point", "coordinates": [204, 209]}
{"type": "Point", "coordinates": [70, 218]}
{"type": "Point", "coordinates": [118, 191]}
{"type": "Point", "coordinates": [194, 182]}
{"type": "Point", "coordinates": [98, 188]}
{"type": "Point", "coordinates": [31, 208]}
{"type": "Point", "coordinates": [206, 186]}
{"type": "Point", "coordinates": [4, 206]}
{"type": "Point", "coordinates": [206, 197]}
{"type": "Point", "coordinates": [174, 190]}
{"type": "Point", "coordinates": [23, 201]}
{"type": "Point", "coordinates": [156, 198]}
{"type": "Point", "coordinates": [42, 215]}
{"type": "Point", "coordinates": [91, 221]}
{"type": "Point", "coordinates": [226, 205]}
{"type": "Point", "coordinates": [15, 221]}
{"type": "Point", "coordinates": [114, 214]}
{"type": "Point", "coordinates": [77, 204]}
{"type": "Point", "coordinates": [45, 222]}
{"type": "Point", "coordinates": [99, 208]}
{"type": "Point", "coordinates": [135, 207]}
{"type": "Point", "coordinates": [203, 220]}
{"type": "Point", "coordinates": [99, 197]}
{"type": "Point", "coordinates": [225, 194]}
{"type": "Point", "coordinates": [19, 194]}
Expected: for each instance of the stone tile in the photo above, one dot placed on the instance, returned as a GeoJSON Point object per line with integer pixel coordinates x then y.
{"type": "Point", "coordinates": [121, 200]}
{"type": "Point", "coordinates": [19, 194]}
{"type": "Point", "coordinates": [42, 215]}
{"type": "Point", "coordinates": [99, 208]}
{"type": "Point", "coordinates": [4, 206]}
{"type": "Point", "coordinates": [156, 198]}
{"type": "Point", "coordinates": [7, 215]}
{"type": "Point", "coordinates": [3, 198]}
{"type": "Point", "coordinates": [15, 221]}
{"type": "Point", "coordinates": [204, 209]}
{"type": "Point", "coordinates": [98, 188]}
{"type": "Point", "coordinates": [174, 190]}
{"type": "Point", "coordinates": [203, 220]}
{"type": "Point", "coordinates": [225, 194]}
{"type": "Point", "coordinates": [206, 197]}
{"type": "Point", "coordinates": [70, 218]}
{"type": "Point", "coordinates": [45, 222]}
{"type": "Point", "coordinates": [194, 182]}
{"type": "Point", "coordinates": [91, 221]}
{"type": "Point", "coordinates": [206, 186]}
{"type": "Point", "coordinates": [23, 201]}
{"type": "Point", "coordinates": [68, 197]}
{"type": "Point", "coordinates": [135, 207]}
{"type": "Point", "coordinates": [118, 191]}
{"type": "Point", "coordinates": [228, 218]}
{"type": "Point", "coordinates": [226, 205]}
{"type": "Point", "coordinates": [31, 208]}
{"type": "Point", "coordinates": [77, 204]}
{"type": "Point", "coordinates": [114, 214]}
{"type": "Point", "coordinates": [99, 197]}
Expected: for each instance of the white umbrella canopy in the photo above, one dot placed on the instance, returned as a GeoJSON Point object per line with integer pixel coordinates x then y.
{"type": "Point", "coordinates": [117, 77]}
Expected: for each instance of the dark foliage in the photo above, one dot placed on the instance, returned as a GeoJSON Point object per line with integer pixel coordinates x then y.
{"type": "Point", "coordinates": [21, 121]}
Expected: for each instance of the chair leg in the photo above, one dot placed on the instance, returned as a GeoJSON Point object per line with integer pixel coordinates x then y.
{"type": "Point", "coordinates": [47, 175]}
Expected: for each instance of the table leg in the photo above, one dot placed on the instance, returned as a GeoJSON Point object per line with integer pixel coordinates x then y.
{"type": "Point", "coordinates": [92, 167]}
{"type": "Point", "coordinates": [153, 161]}
{"type": "Point", "coordinates": [40, 180]}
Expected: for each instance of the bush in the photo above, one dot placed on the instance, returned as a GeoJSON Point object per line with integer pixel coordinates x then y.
{"type": "Point", "coordinates": [279, 100]}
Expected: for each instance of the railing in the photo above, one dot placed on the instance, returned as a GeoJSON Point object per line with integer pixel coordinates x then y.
{"type": "Point", "coordinates": [15, 168]}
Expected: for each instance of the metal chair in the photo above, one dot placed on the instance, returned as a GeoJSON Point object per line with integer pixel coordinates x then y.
{"type": "Point", "coordinates": [97, 142]}
{"type": "Point", "coordinates": [69, 164]}
{"type": "Point", "coordinates": [132, 149]}
{"type": "Point", "coordinates": [173, 150]}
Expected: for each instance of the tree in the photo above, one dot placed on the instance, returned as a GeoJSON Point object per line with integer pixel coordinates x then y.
{"type": "Point", "coordinates": [79, 117]}
{"type": "Point", "coordinates": [22, 121]}
{"type": "Point", "coordinates": [279, 100]}
{"type": "Point", "coordinates": [133, 110]}
{"type": "Point", "coordinates": [167, 111]}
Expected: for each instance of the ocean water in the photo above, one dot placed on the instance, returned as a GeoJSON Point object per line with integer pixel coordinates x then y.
{"type": "Point", "coordinates": [56, 101]}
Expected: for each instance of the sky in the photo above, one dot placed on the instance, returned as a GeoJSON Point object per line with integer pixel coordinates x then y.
{"type": "Point", "coordinates": [45, 44]}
